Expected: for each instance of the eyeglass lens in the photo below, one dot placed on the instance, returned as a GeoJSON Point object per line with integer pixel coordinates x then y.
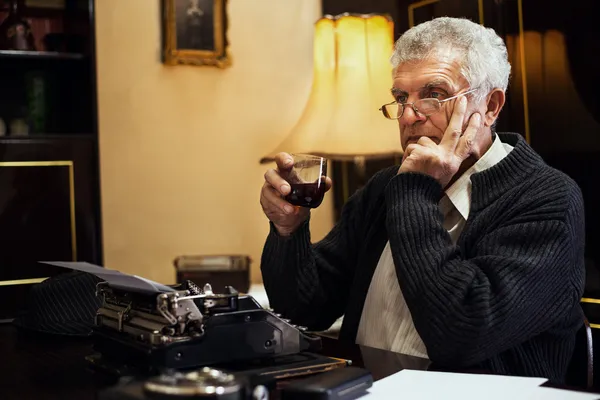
{"type": "Point", "coordinates": [423, 107]}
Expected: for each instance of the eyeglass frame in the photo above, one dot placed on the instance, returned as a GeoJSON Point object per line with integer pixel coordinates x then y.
{"type": "Point", "coordinates": [416, 110]}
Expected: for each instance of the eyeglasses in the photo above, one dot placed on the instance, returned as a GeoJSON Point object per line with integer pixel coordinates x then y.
{"type": "Point", "coordinates": [424, 107]}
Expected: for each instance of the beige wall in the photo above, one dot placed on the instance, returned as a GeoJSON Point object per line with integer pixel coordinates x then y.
{"type": "Point", "coordinates": [179, 146]}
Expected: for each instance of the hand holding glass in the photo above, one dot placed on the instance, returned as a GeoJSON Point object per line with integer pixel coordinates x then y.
{"type": "Point", "coordinates": [307, 179]}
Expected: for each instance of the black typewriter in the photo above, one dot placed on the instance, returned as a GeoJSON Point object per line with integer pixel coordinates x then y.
{"type": "Point", "coordinates": [169, 341]}
{"type": "Point", "coordinates": [189, 328]}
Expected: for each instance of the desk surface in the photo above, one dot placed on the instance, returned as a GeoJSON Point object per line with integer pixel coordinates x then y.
{"type": "Point", "coordinates": [36, 367]}
{"type": "Point", "coordinates": [54, 367]}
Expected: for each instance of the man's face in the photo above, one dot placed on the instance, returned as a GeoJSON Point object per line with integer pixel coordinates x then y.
{"type": "Point", "coordinates": [438, 77]}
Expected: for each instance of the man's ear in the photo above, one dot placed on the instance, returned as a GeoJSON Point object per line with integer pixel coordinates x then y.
{"type": "Point", "coordinates": [495, 102]}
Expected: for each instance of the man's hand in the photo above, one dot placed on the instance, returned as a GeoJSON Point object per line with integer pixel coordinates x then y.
{"type": "Point", "coordinates": [285, 216]}
{"type": "Point", "coordinates": [443, 161]}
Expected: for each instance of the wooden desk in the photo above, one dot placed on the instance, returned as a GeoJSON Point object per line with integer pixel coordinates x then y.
{"type": "Point", "coordinates": [41, 367]}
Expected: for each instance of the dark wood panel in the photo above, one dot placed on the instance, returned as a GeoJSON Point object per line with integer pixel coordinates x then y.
{"type": "Point", "coordinates": [49, 211]}
{"type": "Point", "coordinates": [562, 53]}
{"type": "Point", "coordinates": [335, 7]}
{"type": "Point", "coordinates": [42, 209]}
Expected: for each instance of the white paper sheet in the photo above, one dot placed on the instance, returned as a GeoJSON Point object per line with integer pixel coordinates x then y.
{"type": "Point", "coordinates": [412, 384]}
{"type": "Point", "coordinates": [425, 385]}
{"type": "Point", "coordinates": [115, 278]}
{"type": "Point", "coordinates": [547, 393]}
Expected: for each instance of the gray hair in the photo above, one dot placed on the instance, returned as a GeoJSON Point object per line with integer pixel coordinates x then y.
{"type": "Point", "coordinates": [480, 51]}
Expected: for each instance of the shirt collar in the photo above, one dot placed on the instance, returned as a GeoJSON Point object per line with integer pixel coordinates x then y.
{"type": "Point", "coordinates": [459, 193]}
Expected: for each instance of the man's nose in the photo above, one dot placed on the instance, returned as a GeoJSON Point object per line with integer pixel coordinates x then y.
{"type": "Point", "coordinates": [410, 116]}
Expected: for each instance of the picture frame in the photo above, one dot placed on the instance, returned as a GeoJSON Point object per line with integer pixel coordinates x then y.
{"type": "Point", "coordinates": [195, 33]}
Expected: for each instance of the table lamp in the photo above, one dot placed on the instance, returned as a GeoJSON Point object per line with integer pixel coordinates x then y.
{"type": "Point", "coordinates": [352, 77]}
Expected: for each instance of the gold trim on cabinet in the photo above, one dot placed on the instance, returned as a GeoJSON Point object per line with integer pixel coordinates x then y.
{"type": "Point", "coordinates": [411, 9]}
{"type": "Point", "coordinates": [22, 281]}
{"type": "Point", "coordinates": [590, 300]}
{"type": "Point", "coordinates": [57, 163]}
{"type": "Point", "coordinates": [523, 69]}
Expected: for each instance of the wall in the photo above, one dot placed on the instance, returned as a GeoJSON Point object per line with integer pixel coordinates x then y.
{"type": "Point", "coordinates": [179, 146]}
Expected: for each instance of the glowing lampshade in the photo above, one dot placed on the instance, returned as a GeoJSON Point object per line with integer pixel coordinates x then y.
{"type": "Point", "coordinates": [352, 78]}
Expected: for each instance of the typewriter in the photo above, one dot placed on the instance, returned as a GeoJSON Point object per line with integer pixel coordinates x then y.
{"type": "Point", "coordinates": [191, 328]}
{"type": "Point", "coordinates": [145, 327]}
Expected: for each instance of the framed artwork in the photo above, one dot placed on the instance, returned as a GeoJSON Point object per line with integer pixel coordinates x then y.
{"type": "Point", "coordinates": [195, 32]}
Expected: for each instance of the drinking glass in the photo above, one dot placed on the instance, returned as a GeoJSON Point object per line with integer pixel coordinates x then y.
{"type": "Point", "coordinates": [307, 179]}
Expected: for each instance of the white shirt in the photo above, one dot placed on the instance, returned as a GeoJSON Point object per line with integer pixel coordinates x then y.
{"type": "Point", "coordinates": [386, 322]}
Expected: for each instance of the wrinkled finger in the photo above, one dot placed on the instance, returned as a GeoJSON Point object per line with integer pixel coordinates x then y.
{"type": "Point", "coordinates": [273, 178]}
{"type": "Point", "coordinates": [409, 149]}
{"type": "Point", "coordinates": [454, 130]}
{"type": "Point", "coordinates": [468, 142]}
{"type": "Point", "coordinates": [273, 202]}
{"type": "Point", "coordinates": [418, 154]}
{"type": "Point", "coordinates": [427, 142]}
{"type": "Point", "coordinates": [284, 161]}
{"type": "Point", "coordinates": [420, 151]}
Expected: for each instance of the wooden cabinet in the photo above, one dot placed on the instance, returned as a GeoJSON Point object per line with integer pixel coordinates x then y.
{"type": "Point", "coordinates": [49, 173]}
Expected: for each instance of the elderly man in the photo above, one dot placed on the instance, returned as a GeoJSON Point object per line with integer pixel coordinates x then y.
{"type": "Point", "coordinates": [470, 253]}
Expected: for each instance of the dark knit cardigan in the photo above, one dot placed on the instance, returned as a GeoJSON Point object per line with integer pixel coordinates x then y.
{"type": "Point", "coordinates": [504, 299]}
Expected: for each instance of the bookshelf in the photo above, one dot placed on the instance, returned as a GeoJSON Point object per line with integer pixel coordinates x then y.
{"type": "Point", "coordinates": [49, 172]}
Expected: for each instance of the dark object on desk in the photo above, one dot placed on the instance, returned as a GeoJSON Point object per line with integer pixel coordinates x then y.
{"type": "Point", "coordinates": [254, 377]}
{"type": "Point", "coordinates": [65, 304]}
{"type": "Point", "coordinates": [342, 384]}
{"type": "Point", "coordinates": [220, 270]}
{"type": "Point", "coordinates": [147, 332]}
{"type": "Point", "coordinates": [206, 383]}
{"type": "Point", "coordinates": [284, 367]}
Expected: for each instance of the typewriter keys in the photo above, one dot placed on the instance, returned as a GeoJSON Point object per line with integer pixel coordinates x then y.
{"type": "Point", "coordinates": [207, 383]}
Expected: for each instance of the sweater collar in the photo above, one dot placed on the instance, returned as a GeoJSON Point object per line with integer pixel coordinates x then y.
{"type": "Point", "coordinates": [508, 173]}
